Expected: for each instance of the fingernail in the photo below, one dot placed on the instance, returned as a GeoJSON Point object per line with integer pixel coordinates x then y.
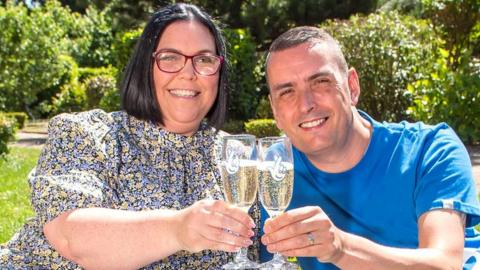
{"type": "Point", "coordinates": [247, 242]}
{"type": "Point", "coordinates": [251, 233]}
{"type": "Point", "coordinates": [236, 249]}
{"type": "Point", "coordinates": [265, 240]}
{"type": "Point", "coordinates": [252, 224]}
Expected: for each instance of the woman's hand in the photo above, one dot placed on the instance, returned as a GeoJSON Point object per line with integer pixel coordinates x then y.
{"type": "Point", "coordinates": [215, 225]}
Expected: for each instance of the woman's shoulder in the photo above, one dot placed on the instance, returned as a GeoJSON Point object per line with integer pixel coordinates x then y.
{"type": "Point", "coordinates": [96, 123]}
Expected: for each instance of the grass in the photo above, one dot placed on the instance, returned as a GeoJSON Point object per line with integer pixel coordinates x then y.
{"type": "Point", "coordinates": [15, 206]}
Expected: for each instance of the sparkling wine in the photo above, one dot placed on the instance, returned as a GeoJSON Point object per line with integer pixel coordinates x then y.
{"type": "Point", "coordinates": [240, 184]}
{"type": "Point", "coordinates": [276, 186]}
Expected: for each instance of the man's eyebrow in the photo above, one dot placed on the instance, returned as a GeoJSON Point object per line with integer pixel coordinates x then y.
{"type": "Point", "coordinates": [320, 74]}
{"type": "Point", "coordinates": [282, 86]}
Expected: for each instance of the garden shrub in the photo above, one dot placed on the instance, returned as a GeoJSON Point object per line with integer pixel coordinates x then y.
{"type": "Point", "coordinates": [233, 126]}
{"type": "Point", "coordinates": [97, 87]}
{"type": "Point", "coordinates": [123, 47]}
{"type": "Point", "coordinates": [389, 51]}
{"type": "Point", "coordinates": [32, 41]}
{"type": "Point", "coordinates": [7, 132]}
{"type": "Point", "coordinates": [111, 99]}
{"type": "Point", "coordinates": [85, 73]}
{"type": "Point", "coordinates": [242, 80]}
{"type": "Point", "coordinates": [72, 98]}
{"type": "Point", "coordinates": [264, 110]}
{"type": "Point", "coordinates": [262, 128]}
{"type": "Point", "coordinates": [450, 96]}
{"type": "Point", "coordinates": [20, 118]}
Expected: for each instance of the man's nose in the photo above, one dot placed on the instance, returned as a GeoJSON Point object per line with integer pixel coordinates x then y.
{"type": "Point", "coordinates": [306, 101]}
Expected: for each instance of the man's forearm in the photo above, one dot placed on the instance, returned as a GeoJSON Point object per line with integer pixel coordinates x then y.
{"type": "Point", "coordinates": [361, 253]}
{"type": "Point", "coordinates": [98, 238]}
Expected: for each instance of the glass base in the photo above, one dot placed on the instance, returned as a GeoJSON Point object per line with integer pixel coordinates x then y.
{"type": "Point", "coordinates": [241, 261]}
{"type": "Point", "coordinates": [241, 265]}
{"type": "Point", "coordinates": [279, 263]}
{"type": "Point", "coordinates": [279, 266]}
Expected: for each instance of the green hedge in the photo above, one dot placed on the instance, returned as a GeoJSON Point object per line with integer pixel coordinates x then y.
{"type": "Point", "coordinates": [234, 126]}
{"type": "Point", "coordinates": [262, 128]}
{"type": "Point", "coordinates": [452, 97]}
{"type": "Point", "coordinates": [20, 118]}
{"type": "Point", "coordinates": [389, 51]}
{"type": "Point", "coordinates": [7, 132]}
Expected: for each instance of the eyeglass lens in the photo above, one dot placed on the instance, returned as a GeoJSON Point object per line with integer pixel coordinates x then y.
{"type": "Point", "coordinates": [174, 62]}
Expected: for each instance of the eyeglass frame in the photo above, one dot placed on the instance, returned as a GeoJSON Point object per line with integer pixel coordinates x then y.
{"type": "Point", "coordinates": [188, 57]}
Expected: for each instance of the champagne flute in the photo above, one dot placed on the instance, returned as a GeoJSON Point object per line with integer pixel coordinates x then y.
{"type": "Point", "coordinates": [275, 173]}
{"type": "Point", "coordinates": [239, 173]}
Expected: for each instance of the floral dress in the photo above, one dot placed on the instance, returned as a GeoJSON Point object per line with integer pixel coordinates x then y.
{"type": "Point", "coordinates": [95, 159]}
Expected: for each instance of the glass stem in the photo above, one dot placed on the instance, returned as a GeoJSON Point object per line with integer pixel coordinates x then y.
{"type": "Point", "coordinates": [241, 255]}
{"type": "Point", "coordinates": [278, 258]}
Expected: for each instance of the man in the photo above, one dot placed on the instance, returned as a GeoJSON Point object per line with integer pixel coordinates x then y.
{"type": "Point", "coordinates": [367, 195]}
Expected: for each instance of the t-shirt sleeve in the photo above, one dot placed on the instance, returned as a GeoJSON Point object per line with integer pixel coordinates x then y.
{"type": "Point", "coordinates": [444, 176]}
{"type": "Point", "coordinates": [71, 171]}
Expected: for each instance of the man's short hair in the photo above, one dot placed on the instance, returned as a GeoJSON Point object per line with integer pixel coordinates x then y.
{"type": "Point", "coordinates": [307, 34]}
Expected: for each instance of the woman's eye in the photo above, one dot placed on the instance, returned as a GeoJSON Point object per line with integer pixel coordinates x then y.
{"type": "Point", "coordinates": [205, 59]}
{"type": "Point", "coordinates": [168, 57]}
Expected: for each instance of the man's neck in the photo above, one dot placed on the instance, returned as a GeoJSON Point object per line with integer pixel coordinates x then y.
{"type": "Point", "coordinates": [351, 152]}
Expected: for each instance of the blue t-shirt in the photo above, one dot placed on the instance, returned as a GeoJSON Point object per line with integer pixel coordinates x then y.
{"type": "Point", "coordinates": [407, 170]}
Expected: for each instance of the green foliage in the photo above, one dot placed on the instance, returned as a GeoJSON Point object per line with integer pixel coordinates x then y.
{"type": "Point", "coordinates": [457, 21]}
{"type": "Point", "coordinates": [388, 51]}
{"type": "Point", "coordinates": [450, 96]}
{"type": "Point", "coordinates": [96, 87]}
{"type": "Point", "coordinates": [7, 131]}
{"type": "Point", "coordinates": [411, 7]}
{"type": "Point", "coordinates": [262, 128]}
{"type": "Point", "coordinates": [264, 110]}
{"type": "Point", "coordinates": [20, 118]}
{"type": "Point", "coordinates": [243, 92]}
{"type": "Point", "coordinates": [15, 205]}
{"type": "Point", "coordinates": [111, 100]}
{"type": "Point", "coordinates": [32, 42]}
{"type": "Point", "coordinates": [234, 126]}
{"type": "Point", "coordinates": [123, 47]}
{"type": "Point", "coordinates": [85, 73]}
{"type": "Point", "coordinates": [100, 39]}
{"type": "Point", "coordinates": [72, 98]}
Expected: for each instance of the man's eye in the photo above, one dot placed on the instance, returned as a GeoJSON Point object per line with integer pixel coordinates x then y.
{"type": "Point", "coordinates": [285, 92]}
{"type": "Point", "coordinates": [320, 81]}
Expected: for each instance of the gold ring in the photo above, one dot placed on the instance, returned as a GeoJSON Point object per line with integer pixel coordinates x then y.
{"type": "Point", "coordinates": [311, 238]}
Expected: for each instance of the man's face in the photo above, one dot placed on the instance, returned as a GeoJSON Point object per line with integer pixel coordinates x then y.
{"type": "Point", "coordinates": [310, 98]}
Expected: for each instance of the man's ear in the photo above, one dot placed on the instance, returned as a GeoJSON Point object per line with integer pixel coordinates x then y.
{"type": "Point", "coordinates": [354, 86]}
{"type": "Point", "coordinates": [274, 111]}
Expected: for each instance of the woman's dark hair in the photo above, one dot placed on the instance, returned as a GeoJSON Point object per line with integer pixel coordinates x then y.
{"type": "Point", "coordinates": [138, 89]}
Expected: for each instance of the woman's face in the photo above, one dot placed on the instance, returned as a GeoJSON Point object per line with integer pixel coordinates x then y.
{"type": "Point", "coordinates": [185, 97]}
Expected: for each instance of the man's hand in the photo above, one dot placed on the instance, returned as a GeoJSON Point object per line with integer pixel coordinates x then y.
{"type": "Point", "coordinates": [304, 232]}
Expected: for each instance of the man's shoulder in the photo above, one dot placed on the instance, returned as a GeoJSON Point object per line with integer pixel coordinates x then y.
{"type": "Point", "coordinates": [413, 131]}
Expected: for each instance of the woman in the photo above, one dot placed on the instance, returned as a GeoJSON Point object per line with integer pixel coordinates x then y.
{"type": "Point", "coordinates": [138, 188]}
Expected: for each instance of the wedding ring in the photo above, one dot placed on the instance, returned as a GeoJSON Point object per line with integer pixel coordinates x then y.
{"type": "Point", "coordinates": [311, 238]}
